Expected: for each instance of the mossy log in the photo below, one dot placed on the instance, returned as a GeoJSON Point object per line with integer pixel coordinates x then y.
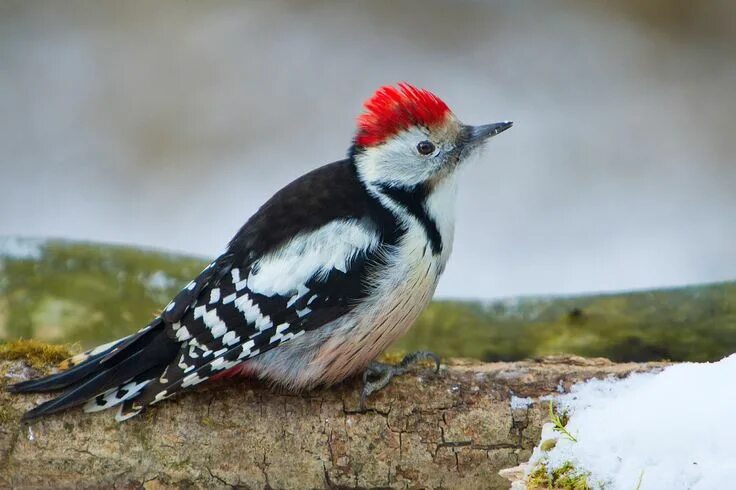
{"type": "Point", "coordinates": [455, 429]}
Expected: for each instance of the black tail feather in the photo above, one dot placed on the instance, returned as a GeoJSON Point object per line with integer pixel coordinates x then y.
{"type": "Point", "coordinates": [57, 381]}
{"type": "Point", "coordinates": [98, 383]}
{"type": "Point", "coordinates": [78, 373]}
{"type": "Point", "coordinates": [149, 351]}
{"type": "Point", "coordinates": [134, 343]}
{"type": "Point", "coordinates": [71, 398]}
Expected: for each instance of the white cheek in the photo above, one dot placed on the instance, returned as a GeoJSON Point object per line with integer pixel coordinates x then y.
{"type": "Point", "coordinates": [397, 161]}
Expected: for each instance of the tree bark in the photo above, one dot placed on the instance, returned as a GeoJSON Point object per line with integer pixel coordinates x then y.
{"type": "Point", "coordinates": [456, 429]}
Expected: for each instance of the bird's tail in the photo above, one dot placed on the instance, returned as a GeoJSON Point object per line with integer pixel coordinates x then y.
{"type": "Point", "coordinates": [109, 375]}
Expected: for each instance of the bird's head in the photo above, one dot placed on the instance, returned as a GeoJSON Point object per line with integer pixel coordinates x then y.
{"type": "Point", "coordinates": [408, 136]}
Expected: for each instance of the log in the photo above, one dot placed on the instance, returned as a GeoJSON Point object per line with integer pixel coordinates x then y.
{"type": "Point", "coordinates": [455, 429]}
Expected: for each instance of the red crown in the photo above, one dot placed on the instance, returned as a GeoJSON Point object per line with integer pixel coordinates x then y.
{"type": "Point", "coordinates": [394, 109]}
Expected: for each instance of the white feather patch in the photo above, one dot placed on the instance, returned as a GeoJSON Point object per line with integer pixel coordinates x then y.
{"type": "Point", "coordinates": [246, 349]}
{"type": "Point", "coordinates": [212, 321]}
{"type": "Point", "coordinates": [220, 364]}
{"type": "Point", "coordinates": [121, 417]}
{"type": "Point", "coordinates": [230, 338]}
{"type": "Point", "coordinates": [182, 334]}
{"type": "Point", "coordinates": [192, 380]}
{"type": "Point", "coordinates": [286, 270]}
{"type": "Point", "coordinates": [252, 313]}
{"type": "Point", "coordinates": [161, 395]}
{"type": "Point", "coordinates": [111, 399]}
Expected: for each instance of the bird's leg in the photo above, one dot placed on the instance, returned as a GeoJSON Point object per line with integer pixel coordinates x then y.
{"type": "Point", "coordinates": [379, 374]}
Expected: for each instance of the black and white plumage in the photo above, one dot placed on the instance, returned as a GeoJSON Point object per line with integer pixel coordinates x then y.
{"type": "Point", "coordinates": [315, 285]}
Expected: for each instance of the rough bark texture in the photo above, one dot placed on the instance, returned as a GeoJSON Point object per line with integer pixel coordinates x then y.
{"type": "Point", "coordinates": [456, 429]}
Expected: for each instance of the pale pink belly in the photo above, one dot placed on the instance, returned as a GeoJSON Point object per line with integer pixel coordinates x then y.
{"type": "Point", "coordinates": [351, 351]}
{"type": "Point", "coordinates": [348, 345]}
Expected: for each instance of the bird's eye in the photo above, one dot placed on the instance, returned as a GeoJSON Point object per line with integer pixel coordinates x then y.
{"type": "Point", "coordinates": [425, 147]}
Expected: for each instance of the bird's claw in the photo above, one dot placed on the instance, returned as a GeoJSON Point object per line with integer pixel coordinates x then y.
{"type": "Point", "coordinates": [383, 373]}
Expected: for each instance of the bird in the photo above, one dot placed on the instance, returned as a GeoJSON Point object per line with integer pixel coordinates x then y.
{"type": "Point", "coordinates": [315, 285]}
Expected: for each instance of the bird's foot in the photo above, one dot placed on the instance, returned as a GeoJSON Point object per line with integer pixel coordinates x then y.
{"type": "Point", "coordinates": [378, 374]}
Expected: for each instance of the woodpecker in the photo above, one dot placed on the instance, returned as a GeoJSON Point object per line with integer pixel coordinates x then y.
{"type": "Point", "coordinates": [315, 285]}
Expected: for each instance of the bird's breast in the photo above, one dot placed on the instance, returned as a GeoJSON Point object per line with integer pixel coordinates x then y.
{"type": "Point", "coordinates": [402, 289]}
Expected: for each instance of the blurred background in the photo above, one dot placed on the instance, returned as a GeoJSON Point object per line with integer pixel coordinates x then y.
{"type": "Point", "coordinates": [168, 123]}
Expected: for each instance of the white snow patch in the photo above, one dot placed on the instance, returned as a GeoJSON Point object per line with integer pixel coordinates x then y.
{"type": "Point", "coordinates": [518, 403]}
{"type": "Point", "coordinates": [673, 430]}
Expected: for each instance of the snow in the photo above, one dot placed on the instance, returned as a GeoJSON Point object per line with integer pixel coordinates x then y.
{"type": "Point", "coordinates": [518, 403]}
{"type": "Point", "coordinates": [672, 430]}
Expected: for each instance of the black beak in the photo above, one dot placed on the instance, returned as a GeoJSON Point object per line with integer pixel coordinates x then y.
{"type": "Point", "coordinates": [478, 134]}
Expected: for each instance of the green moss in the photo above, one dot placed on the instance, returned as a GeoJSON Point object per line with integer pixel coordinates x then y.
{"type": "Point", "coordinates": [141, 431]}
{"type": "Point", "coordinates": [8, 415]}
{"type": "Point", "coordinates": [37, 354]}
{"type": "Point", "coordinates": [566, 477]}
{"type": "Point", "coordinates": [548, 445]}
{"type": "Point", "coordinates": [87, 293]}
{"type": "Point", "coordinates": [539, 479]}
{"type": "Point", "coordinates": [392, 357]}
{"type": "Point", "coordinates": [695, 323]}
{"type": "Point", "coordinates": [94, 293]}
{"type": "Point", "coordinates": [560, 422]}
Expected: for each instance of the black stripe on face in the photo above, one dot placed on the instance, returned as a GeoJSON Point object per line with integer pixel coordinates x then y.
{"type": "Point", "coordinates": [413, 199]}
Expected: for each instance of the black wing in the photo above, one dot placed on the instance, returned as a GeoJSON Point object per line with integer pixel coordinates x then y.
{"type": "Point", "coordinates": [230, 323]}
